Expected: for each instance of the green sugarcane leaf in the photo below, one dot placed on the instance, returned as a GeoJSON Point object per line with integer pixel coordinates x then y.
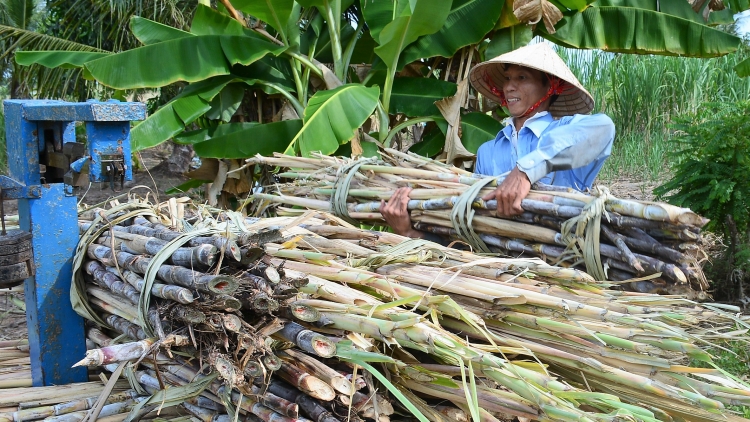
{"type": "Point", "coordinates": [273, 12]}
{"type": "Point", "coordinates": [169, 397]}
{"type": "Point", "coordinates": [508, 39]}
{"type": "Point", "coordinates": [620, 29]}
{"type": "Point", "coordinates": [395, 391]}
{"type": "Point", "coordinates": [414, 19]}
{"type": "Point", "coordinates": [742, 68]}
{"type": "Point", "coordinates": [53, 59]}
{"type": "Point", "coordinates": [478, 128]}
{"type": "Point", "coordinates": [416, 96]}
{"type": "Point", "coordinates": [332, 117]}
{"type": "Point", "coordinates": [224, 105]}
{"type": "Point", "coordinates": [167, 62]}
{"type": "Point", "coordinates": [183, 188]}
{"type": "Point", "coordinates": [150, 32]}
{"type": "Point", "coordinates": [263, 139]}
{"type": "Point", "coordinates": [455, 33]}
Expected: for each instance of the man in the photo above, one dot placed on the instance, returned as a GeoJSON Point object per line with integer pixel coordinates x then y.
{"type": "Point", "coordinates": [549, 137]}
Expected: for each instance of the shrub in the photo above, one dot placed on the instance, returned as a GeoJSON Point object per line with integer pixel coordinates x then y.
{"type": "Point", "coordinates": [711, 175]}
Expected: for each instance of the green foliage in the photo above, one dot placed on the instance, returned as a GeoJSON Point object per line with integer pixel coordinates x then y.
{"type": "Point", "coordinates": [644, 94]}
{"type": "Point", "coordinates": [712, 164]}
{"type": "Point", "coordinates": [733, 358]}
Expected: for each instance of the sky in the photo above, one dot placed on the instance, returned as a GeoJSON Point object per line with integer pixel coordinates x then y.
{"type": "Point", "coordinates": [743, 22]}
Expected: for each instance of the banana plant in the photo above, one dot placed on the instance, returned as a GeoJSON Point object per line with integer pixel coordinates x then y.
{"type": "Point", "coordinates": [253, 78]}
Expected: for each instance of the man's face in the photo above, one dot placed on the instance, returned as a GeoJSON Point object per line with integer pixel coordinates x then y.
{"type": "Point", "coordinates": [523, 87]}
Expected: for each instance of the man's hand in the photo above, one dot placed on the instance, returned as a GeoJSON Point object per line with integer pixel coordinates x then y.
{"type": "Point", "coordinates": [396, 214]}
{"type": "Point", "coordinates": [510, 193]}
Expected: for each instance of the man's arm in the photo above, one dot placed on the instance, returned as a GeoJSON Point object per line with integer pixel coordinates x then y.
{"type": "Point", "coordinates": [574, 144]}
{"type": "Point", "coordinates": [568, 146]}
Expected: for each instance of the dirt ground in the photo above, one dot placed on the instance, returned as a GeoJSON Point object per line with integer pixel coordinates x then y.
{"type": "Point", "coordinates": [159, 179]}
{"type": "Point", "coordinates": [153, 175]}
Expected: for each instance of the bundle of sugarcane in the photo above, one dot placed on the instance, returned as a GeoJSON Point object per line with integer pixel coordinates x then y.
{"type": "Point", "coordinates": [421, 324]}
{"type": "Point", "coordinates": [15, 365]}
{"type": "Point", "coordinates": [180, 298]}
{"type": "Point", "coordinates": [612, 239]}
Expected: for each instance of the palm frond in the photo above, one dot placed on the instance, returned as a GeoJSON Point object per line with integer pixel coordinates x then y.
{"type": "Point", "coordinates": [37, 81]}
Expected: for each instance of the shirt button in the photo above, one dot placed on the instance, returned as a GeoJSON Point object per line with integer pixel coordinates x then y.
{"type": "Point", "coordinates": [531, 162]}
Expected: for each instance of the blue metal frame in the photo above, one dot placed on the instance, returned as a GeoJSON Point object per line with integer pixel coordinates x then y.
{"type": "Point", "coordinates": [56, 335]}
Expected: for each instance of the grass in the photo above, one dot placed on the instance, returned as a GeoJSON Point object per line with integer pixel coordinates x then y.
{"type": "Point", "coordinates": [736, 361]}
{"type": "Point", "coordinates": [644, 93]}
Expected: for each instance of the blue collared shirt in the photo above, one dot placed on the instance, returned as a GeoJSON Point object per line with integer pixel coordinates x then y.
{"type": "Point", "coordinates": [568, 152]}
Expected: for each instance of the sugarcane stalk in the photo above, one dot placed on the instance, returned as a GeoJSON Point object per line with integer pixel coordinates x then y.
{"type": "Point", "coordinates": [127, 351]}
{"type": "Point", "coordinates": [486, 401]}
{"type": "Point", "coordinates": [170, 273]}
{"type": "Point", "coordinates": [185, 373]}
{"type": "Point", "coordinates": [123, 326]}
{"type": "Point", "coordinates": [310, 406]}
{"type": "Point", "coordinates": [114, 301]}
{"type": "Point", "coordinates": [42, 412]}
{"type": "Point", "coordinates": [164, 291]}
{"type": "Point", "coordinates": [307, 340]}
{"type": "Point", "coordinates": [203, 255]}
{"type": "Point", "coordinates": [229, 247]}
{"type": "Point", "coordinates": [110, 281]}
{"type": "Point", "coordinates": [624, 250]}
{"type": "Point", "coordinates": [307, 383]}
{"type": "Point", "coordinates": [108, 410]}
{"type": "Point", "coordinates": [319, 369]}
{"type": "Point", "coordinates": [205, 415]}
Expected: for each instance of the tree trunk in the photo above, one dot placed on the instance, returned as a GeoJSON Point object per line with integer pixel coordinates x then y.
{"type": "Point", "coordinates": [179, 161]}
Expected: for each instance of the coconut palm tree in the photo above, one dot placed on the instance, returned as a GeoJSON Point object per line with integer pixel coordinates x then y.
{"type": "Point", "coordinates": [97, 26]}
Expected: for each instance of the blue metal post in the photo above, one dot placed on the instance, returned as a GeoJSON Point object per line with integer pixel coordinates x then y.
{"type": "Point", "coordinates": [56, 332]}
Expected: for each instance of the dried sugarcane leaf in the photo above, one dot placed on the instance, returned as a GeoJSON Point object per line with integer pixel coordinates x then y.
{"type": "Point", "coordinates": [170, 397]}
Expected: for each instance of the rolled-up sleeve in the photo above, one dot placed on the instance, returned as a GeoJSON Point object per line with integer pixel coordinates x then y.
{"type": "Point", "coordinates": [584, 139]}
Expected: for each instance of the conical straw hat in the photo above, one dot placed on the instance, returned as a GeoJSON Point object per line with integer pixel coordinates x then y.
{"type": "Point", "coordinates": [575, 99]}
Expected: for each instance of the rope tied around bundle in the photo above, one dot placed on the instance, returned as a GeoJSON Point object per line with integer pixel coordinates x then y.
{"type": "Point", "coordinates": [463, 214]}
{"type": "Point", "coordinates": [344, 176]}
{"type": "Point", "coordinates": [581, 233]}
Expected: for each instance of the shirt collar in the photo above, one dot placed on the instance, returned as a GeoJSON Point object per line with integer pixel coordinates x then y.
{"type": "Point", "coordinates": [536, 123]}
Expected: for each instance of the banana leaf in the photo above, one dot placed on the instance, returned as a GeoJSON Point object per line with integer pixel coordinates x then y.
{"type": "Point", "coordinates": [190, 59]}
{"type": "Point", "coordinates": [171, 118]}
{"type": "Point", "coordinates": [455, 33]}
{"type": "Point", "coordinates": [417, 96]}
{"type": "Point", "coordinates": [418, 18]}
{"type": "Point", "coordinates": [478, 128]}
{"type": "Point", "coordinates": [224, 105]}
{"type": "Point", "coordinates": [263, 139]}
{"type": "Point", "coordinates": [508, 39]}
{"type": "Point", "coordinates": [150, 32]}
{"type": "Point", "coordinates": [275, 13]}
{"type": "Point", "coordinates": [621, 30]}
{"type": "Point", "coordinates": [332, 117]}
